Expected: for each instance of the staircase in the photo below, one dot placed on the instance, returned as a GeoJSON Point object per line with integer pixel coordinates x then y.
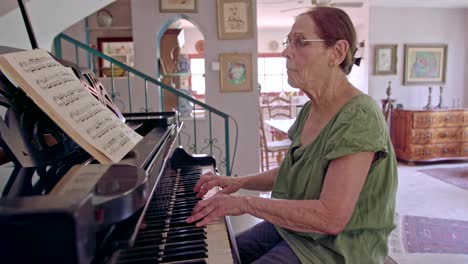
{"type": "Point", "coordinates": [200, 125]}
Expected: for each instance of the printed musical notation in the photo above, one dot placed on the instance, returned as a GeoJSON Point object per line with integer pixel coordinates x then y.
{"type": "Point", "coordinates": [60, 94]}
{"type": "Point", "coordinates": [38, 63]}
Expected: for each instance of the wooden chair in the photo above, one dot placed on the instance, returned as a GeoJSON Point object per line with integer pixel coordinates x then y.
{"type": "Point", "coordinates": [279, 108]}
{"type": "Point", "coordinates": [272, 148]}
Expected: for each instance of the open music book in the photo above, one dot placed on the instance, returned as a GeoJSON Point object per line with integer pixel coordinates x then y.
{"type": "Point", "coordinates": [60, 94]}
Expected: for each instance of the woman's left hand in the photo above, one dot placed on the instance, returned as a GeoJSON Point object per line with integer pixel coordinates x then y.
{"type": "Point", "coordinates": [215, 207]}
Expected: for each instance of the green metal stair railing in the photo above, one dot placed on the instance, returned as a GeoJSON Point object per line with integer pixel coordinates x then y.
{"type": "Point", "coordinates": [90, 52]}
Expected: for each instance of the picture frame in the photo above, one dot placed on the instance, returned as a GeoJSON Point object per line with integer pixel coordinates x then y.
{"type": "Point", "coordinates": [234, 19]}
{"type": "Point", "coordinates": [425, 64]}
{"type": "Point", "coordinates": [235, 72]}
{"type": "Point", "coordinates": [119, 48]}
{"type": "Point", "coordinates": [385, 59]}
{"type": "Point", "coordinates": [178, 6]}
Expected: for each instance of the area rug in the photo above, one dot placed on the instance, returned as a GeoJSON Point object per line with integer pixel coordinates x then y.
{"type": "Point", "coordinates": [457, 176]}
{"type": "Point", "coordinates": [416, 234]}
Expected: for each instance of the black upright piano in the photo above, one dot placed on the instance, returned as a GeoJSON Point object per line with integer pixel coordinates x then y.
{"type": "Point", "coordinates": [59, 205]}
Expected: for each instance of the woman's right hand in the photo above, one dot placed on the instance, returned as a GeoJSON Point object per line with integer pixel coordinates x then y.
{"type": "Point", "coordinates": [209, 180]}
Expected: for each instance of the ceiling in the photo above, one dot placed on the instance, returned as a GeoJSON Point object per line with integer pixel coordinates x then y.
{"type": "Point", "coordinates": [269, 15]}
{"type": "Point", "coordinates": [269, 11]}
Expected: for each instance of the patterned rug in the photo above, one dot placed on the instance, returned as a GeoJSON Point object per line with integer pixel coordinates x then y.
{"type": "Point", "coordinates": [416, 234]}
{"type": "Point", "coordinates": [457, 176]}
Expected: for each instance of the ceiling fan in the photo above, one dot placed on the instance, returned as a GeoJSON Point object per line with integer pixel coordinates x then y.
{"type": "Point", "coordinates": [326, 3]}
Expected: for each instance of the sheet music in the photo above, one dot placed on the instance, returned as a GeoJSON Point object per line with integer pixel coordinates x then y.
{"type": "Point", "coordinates": [56, 88]}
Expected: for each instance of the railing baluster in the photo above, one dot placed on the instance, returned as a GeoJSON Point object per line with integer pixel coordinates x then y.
{"type": "Point", "coordinates": [146, 95]}
{"type": "Point", "coordinates": [178, 115]}
{"type": "Point", "coordinates": [77, 59]}
{"type": "Point", "coordinates": [194, 128]}
{"type": "Point", "coordinates": [226, 143]}
{"type": "Point", "coordinates": [58, 47]}
{"type": "Point", "coordinates": [91, 61]}
{"type": "Point", "coordinates": [129, 93]}
{"type": "Point", "coordinates": [112, 82]}
{"type": "Point", "coordinates": [211, 133]}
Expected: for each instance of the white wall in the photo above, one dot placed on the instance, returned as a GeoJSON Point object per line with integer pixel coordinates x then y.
{"type": "Point", "coordinates": [48, 18]}
{"type": "Point", "coordinates": [420, 26]}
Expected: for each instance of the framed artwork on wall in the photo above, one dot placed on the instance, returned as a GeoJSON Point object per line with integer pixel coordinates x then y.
{"type": "Point", "coordinates": [425, 64]}
{"type": "Point", "coordinates": [178, 6]}
{"type": "Point", "coordinates": [118, 48]}
{"type": "Point", "coordinates": [234, 19]}
{"type": "Point", "coordinates": [385, 59]}
{"type": "Point", "coordinates": [235, 72]}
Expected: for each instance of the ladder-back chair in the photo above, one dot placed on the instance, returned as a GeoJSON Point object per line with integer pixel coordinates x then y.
{"type": "Point", "coordinates": [279, 108]}
{"type": "Point", "coordinates": [267, 148]}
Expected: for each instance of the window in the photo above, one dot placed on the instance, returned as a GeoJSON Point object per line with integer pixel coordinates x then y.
{"type": "Point", "coordinates": [197, 75]}
{"type": "Point", "coordinates": [272, 75]}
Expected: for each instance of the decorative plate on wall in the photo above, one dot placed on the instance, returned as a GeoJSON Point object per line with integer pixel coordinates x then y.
{"type": "Point", "coordinates": [104, 18]}
{"type": "Point", "coordinates": [273, 45]}
{"type": "Point", "coordinates": [200, 46]}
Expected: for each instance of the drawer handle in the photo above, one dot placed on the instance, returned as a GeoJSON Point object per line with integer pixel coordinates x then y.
{"type": "Point", "coordinates": [445, 134]}
{"type": "Point", "coordinates": [445, 151]}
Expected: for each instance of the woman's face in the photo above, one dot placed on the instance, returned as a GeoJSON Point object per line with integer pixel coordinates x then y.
{"type": "Point", "coordinates": [306, 64]}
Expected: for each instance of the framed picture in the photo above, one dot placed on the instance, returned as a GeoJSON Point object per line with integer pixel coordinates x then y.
{"type": "Point", "coordinates": [236, 72]}
{"type": "Point", "coordinates": [234, 19]}
{"type": "Point", "coordinates": [119, 48]}
{"type": "Point", "coordinates": [425, 64]}
{"type": "Point", "coordinates": [385, 59]}
{"type": "Point", "coordinates": [178, 6]}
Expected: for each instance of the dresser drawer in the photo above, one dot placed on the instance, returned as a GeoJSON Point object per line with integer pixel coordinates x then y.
{"type": "Point", "coordinates": [439, 135]}
{"type": "Point", "coordinates": [438, 151]}
{"type": "Point", "coordinates": [438, 119]}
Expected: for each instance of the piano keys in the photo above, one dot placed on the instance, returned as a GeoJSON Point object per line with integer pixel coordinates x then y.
{"type": "Point", "coordinates": [165, 237]}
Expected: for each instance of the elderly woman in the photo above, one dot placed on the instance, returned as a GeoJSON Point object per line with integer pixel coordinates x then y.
{"type": "Point", "coordinates": [334, 193]}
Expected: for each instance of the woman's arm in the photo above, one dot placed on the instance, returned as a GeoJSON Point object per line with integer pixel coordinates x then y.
{"type": "Point", "coordinates": [331, 212]}
{"type": "Point", "coordinates": [263, 181]}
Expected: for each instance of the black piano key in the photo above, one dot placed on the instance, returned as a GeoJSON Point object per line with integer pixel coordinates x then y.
{"type": "Point", "coordinates": [166, 220]}
{"type": "Point", "coordinates": [156, 251]}
{"type": "Point", "coordinates": [196, 254]}
{"type": "Point", "coordinates": [175, 212]}
{"type": "Point", "coordinates": [144, 232]}
{"type": "Point", "coordinates": [156, 235]}
{"type": "Point", "coordinates": [177, 238]}
{"type": "Point", "coordinates": [159, 247]}
{"type": "Point", "coordinates": [185, 243]}
{"type": "Point", "coordinates": [173, 250]}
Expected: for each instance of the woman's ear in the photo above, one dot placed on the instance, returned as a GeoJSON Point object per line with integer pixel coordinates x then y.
{"type": "Point", "coordinates": [339, 51]}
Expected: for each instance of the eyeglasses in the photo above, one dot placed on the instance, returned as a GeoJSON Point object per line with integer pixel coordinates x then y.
{"type": "Point", "coordinates": [299, 42]}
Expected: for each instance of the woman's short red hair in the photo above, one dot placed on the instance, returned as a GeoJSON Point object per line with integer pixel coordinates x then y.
{"type": "Point", "coordinates": [334, 24]}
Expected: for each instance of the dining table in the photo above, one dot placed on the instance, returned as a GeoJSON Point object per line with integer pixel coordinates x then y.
{"type": "Point", "coordinates": [282, 125]}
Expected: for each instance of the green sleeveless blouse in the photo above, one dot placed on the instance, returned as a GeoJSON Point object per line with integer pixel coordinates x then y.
{"type": "Point", "coordinates": [358, 126]}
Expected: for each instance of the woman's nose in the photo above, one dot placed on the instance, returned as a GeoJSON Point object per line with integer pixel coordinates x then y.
{"type": "Point", "coordinates": [285, 52]}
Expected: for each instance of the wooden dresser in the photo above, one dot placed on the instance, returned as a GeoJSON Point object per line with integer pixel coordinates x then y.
{"type": "Point", "coordinates": [430, 135]}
